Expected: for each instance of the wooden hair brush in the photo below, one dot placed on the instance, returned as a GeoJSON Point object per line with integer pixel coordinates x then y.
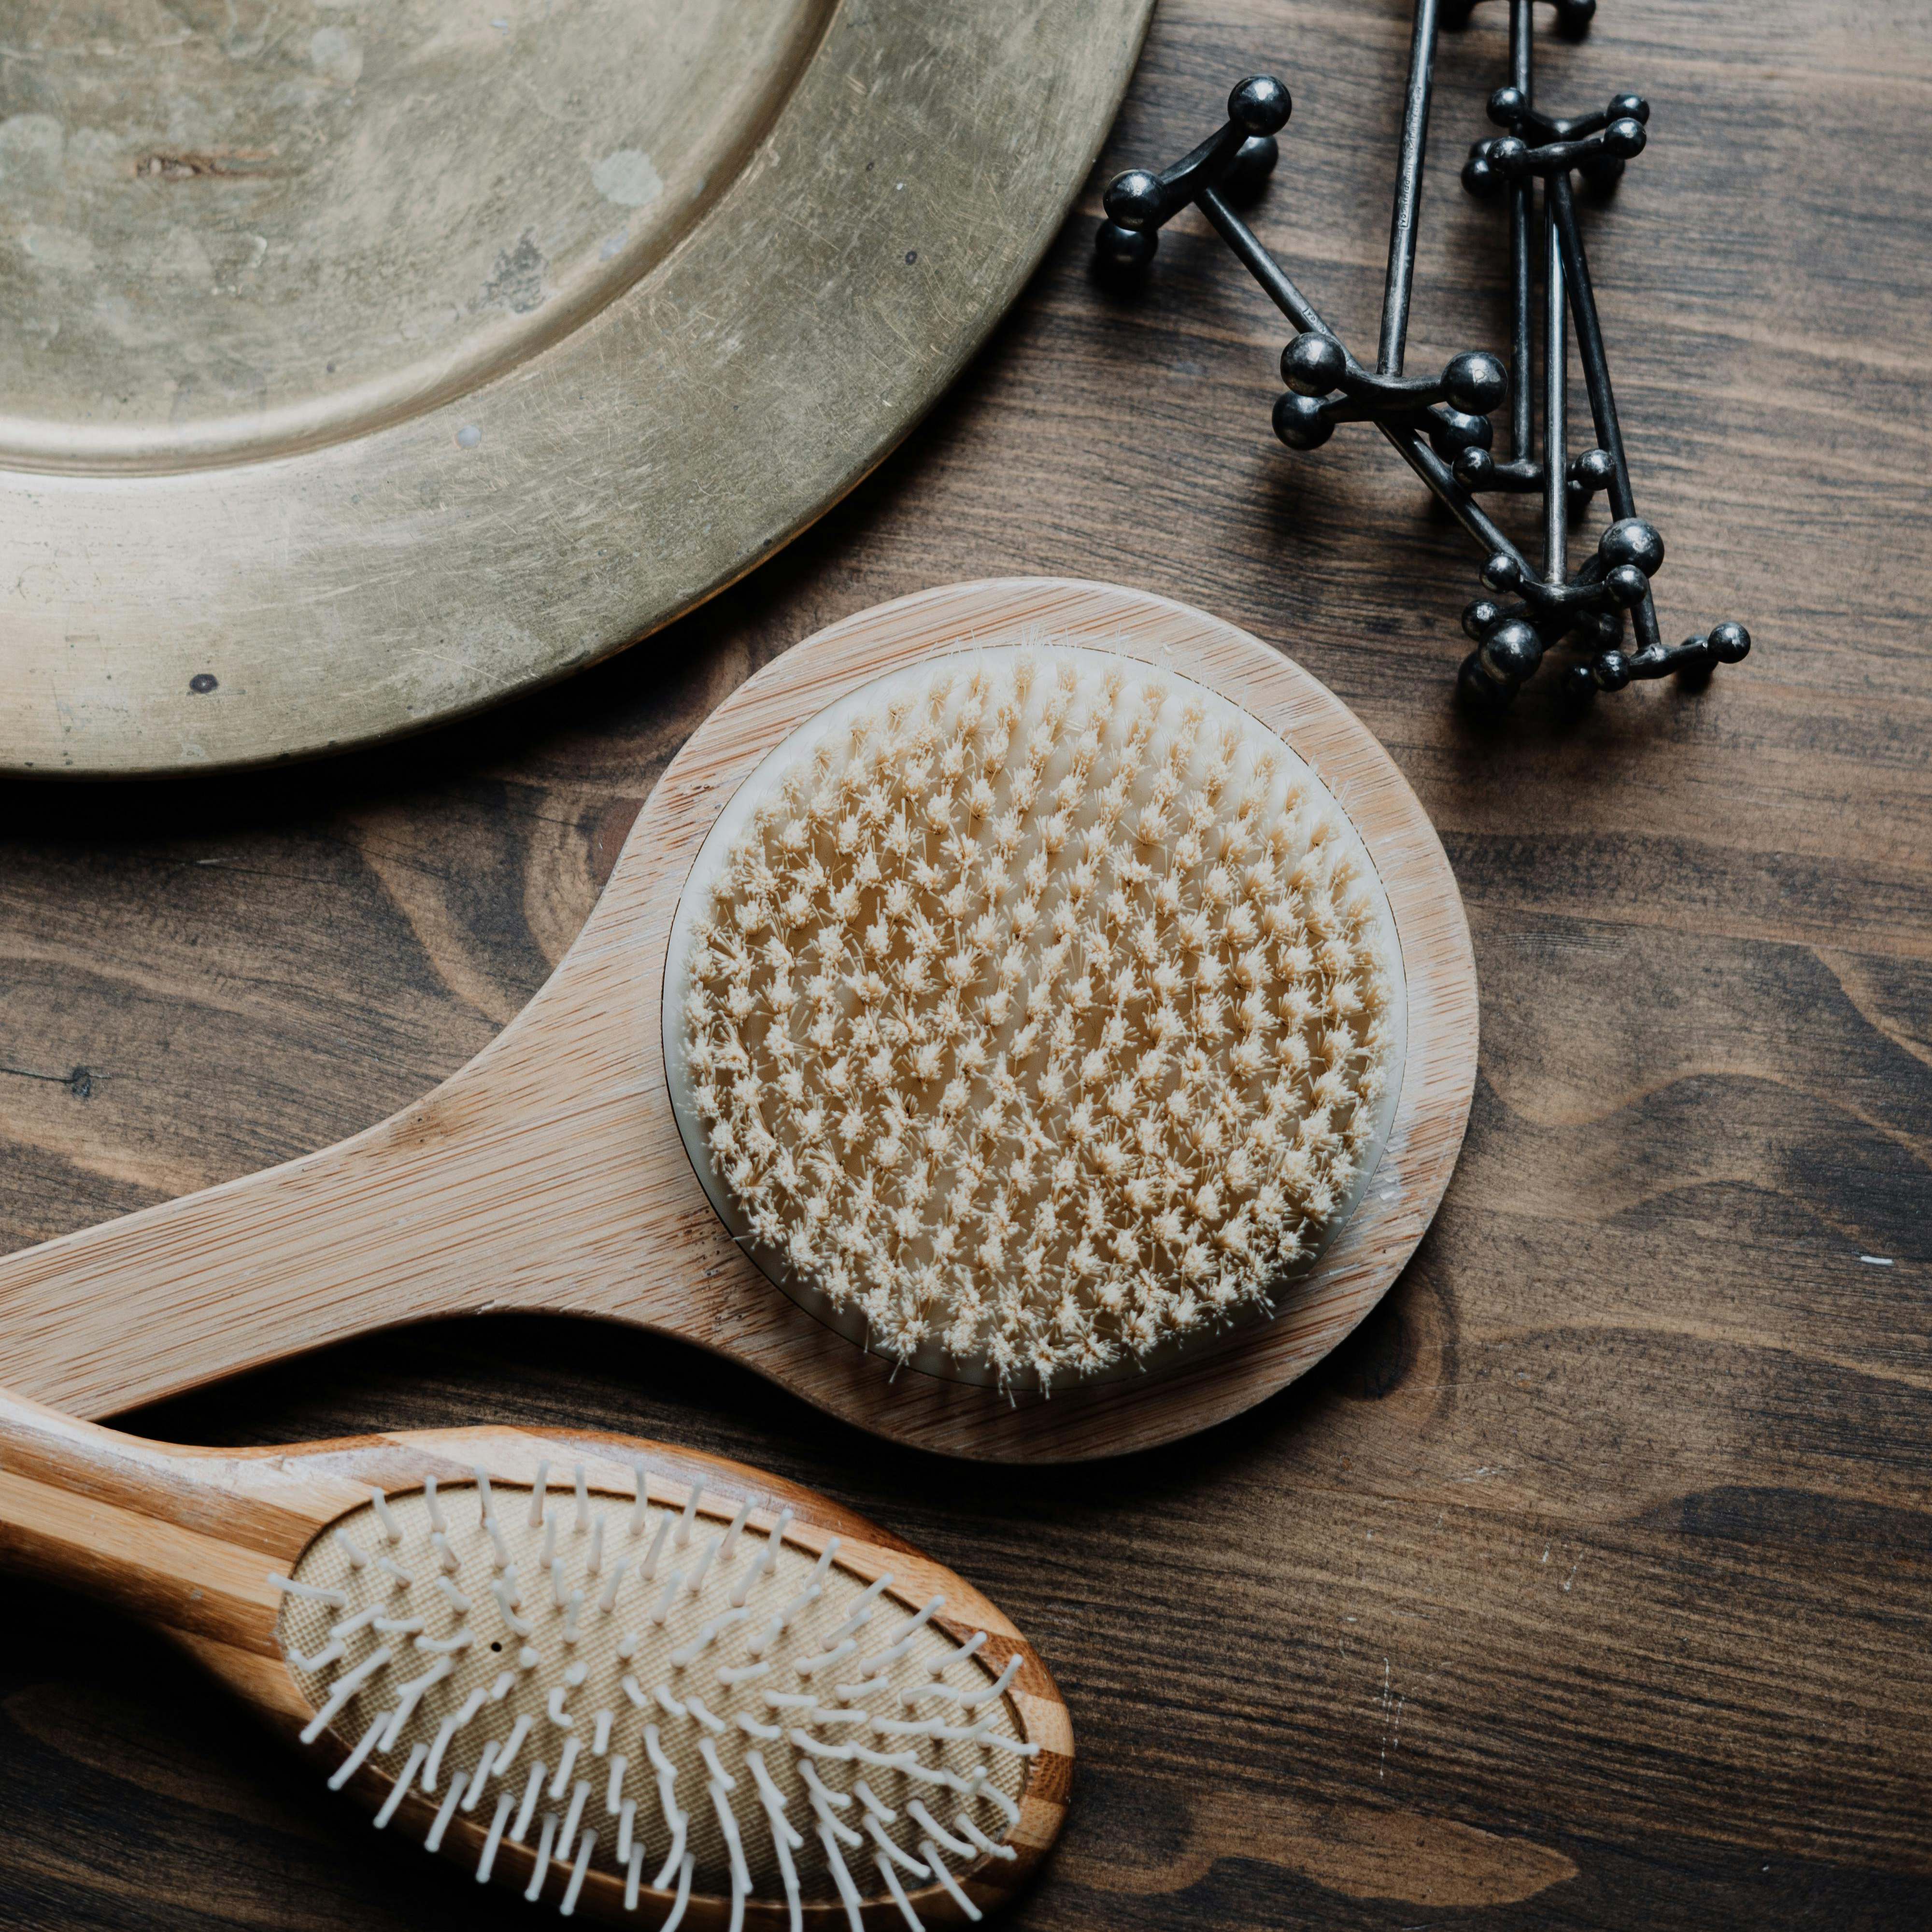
{"type": "Point", "coordinates": [1128, 1021]}
{"type": "Point", "coordinates": [624, 1679]}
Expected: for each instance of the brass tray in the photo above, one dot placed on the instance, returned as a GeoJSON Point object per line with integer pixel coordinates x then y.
{"type": "Point", "coordinates": [364, 362]}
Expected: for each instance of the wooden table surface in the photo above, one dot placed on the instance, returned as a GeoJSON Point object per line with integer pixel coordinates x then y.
{"type": "Point", "coordinates": [1588, 1585]}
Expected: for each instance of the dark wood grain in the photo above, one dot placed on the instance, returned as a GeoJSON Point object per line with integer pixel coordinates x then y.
{"type": "Point", "coordinates": [1588, 1586]}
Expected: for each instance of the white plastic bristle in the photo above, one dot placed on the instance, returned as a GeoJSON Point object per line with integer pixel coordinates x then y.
{"type": "Point", "coordinates": [579, 1795]}
{"type": "Point", "coordinates": [398, 1577]}
{"type": "Point", "coordinates": [756, 1710]}
{"type": "Point", "coordinates": [513, 1743]}
{"type": "Point", "coordinates": [593, 1564]}
{"type": "Point", "coordinates": [708, 1633]}
{"type": "Point", "coordinates": [445, 1556]}
{"type": "Point", "coordinates": [479, 1778]}
{"type": "Point", "coordinates": [890, 1852]}
{"type": "Point", "coordinates": [1126, 1001]}
{"type": "Point", "coordinates": [971, 1647]}
{"type": "Point", "coordinates": [766, 1560]}
{"type": "Point", "coordinates": [662, 1608]}
{"type": "Point", "coordinates": [289, 1587]}
{"type": "Point", "coordinates": [411, 1694]}
{"type": "Point", "coordinates": [341, 1691]}
{"type": "Point", "coordinates": [400, 1789]}
{"type": "Point", "coordinates": [848, 1892]}
{"type": "Point", "coordinates": [540, 1495]}
{"type": "Point", "coordinates": [532, 1791]}
{"type": "Point", "coordinates": [436, 1520]}
{"type": "Point", "coordinates": [689, 1516]}
{"type": "Point", "coordinates": [485, 1507]}
{"type": "Point", "coordinates": [586, 1847]}
{"type": "Point", "coordinates": [504, 1596]}
{"type": "Point", "coordinates": [445, 1731]}
{"type": "Point", "coordinates": [948, 1883]}
{"type": "Point", "coordinates": [333, 1651]}
{"type": "Point", "coordinates": [967, 1829]}
{"type": "Point", "coordinates": [934, 1831]}
{"type": "Point", "coordinates": [499, 1548]}
{"type": "Point", "coordinates": [357, 1556]}
{"type": "Point", "coordinates": [732, 1534]}
{"type": "Point", "coordinates": [913, 1922]}
{"type": "Point", "coordinates": [971, 1700]}
{"type": "Point", "coordinates": [734, 1848]}
{"type": "Point", "coordinates": [549, 1558]}
{"type": "Point", "coordinates": [861, 1613]}
{"type": "Point", "coordinates": [640, 1497]}
{"type": "Point", "coordinates": [355, 1761]}
{"type": "Point", "coordinates": [607, 1597]}
{"type": "Point", "coordinates": [457, 1600]}
{"type": "Point", "coordinates": [581, 1478]}
{"type": "Point", "coordinates": [683, 1899]}
{"type": "Point", "coordinates": [648, 1569]}
{"type": "Point", "coordinates": [829, 1659]}
{"type": "Point", "coordinates": [696, 1707]}
{"type": "Point", "coordinates": [486, 1863]}
{"type": "Point", "coordinates": [379, 1501]}
{"type": "Point", "coordinates": [634, 1861]}
{"type": "Point", "coordinates": [720, 1777]}
{"type": "Point", "coordinates": [546, 1838]}
{"type": "Point", "coordinates": [444, 1812]}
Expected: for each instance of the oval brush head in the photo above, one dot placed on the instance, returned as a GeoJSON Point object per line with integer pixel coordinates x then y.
{"type": "Point", "coordinates": [699, 1699]}
{"type": "Point", "coordinates": [1036, 1011]}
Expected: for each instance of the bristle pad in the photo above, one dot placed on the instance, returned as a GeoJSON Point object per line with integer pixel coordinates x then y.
{"type": "Point", "coordinates": [1039, 1012]}
{"type": "Point", "coordinates": [830, 1648]}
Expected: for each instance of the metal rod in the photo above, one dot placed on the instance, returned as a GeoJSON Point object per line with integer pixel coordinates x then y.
{"type": "Point", "coordinates": [1522, 412]}
{"type": "Point", "coordinates": [1556, 402]}
{"type": "Point", "coordinates": [1590, 343]}
{"type": "Point", "coordinates": [1259, 263]}
{"type": "Point", "coordinates": [1408, 189]}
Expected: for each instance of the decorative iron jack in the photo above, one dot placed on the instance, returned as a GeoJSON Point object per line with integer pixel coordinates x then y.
{"type": "Point", "coordinates": [1440, 425]}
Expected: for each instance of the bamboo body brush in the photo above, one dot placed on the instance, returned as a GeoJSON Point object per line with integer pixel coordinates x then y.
{"type": "Point", "coordinates": [640, 1684]}
{"type": "Point", "coordinates": [1194, 876]}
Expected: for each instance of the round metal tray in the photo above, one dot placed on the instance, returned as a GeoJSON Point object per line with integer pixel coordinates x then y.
{"type": "Point", "coordinates": [361, 364]}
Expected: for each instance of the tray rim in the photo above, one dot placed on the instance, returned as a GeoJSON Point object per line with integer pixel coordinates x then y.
{"type": "Point", "coordinates": [227, 616]}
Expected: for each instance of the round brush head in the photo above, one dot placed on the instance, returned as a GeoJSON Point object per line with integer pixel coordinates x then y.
{"type": "Point", "coordinates": [690, 1699]}
{"type": "Point", "coordinates": [1033, 1013]}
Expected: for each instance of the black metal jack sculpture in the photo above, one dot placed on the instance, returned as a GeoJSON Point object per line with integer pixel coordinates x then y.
{"type": "Point", "coordinates": [1440, 425]}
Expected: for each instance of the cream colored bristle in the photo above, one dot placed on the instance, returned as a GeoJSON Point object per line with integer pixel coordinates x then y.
{"type": "Point", "coordinates": [702, 1735]}
{"type": "Point", "coordinates": [1038, 1012]}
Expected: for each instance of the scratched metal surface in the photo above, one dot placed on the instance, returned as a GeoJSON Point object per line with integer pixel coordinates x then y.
{"type": "Point", "coordinates": [362, 363]}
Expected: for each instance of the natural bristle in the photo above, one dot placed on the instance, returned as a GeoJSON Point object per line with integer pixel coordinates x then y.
{"type": "Point", "coordinates": [1039, 1014]}
{"type": "Point", "coordinates": [689, 1696]}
